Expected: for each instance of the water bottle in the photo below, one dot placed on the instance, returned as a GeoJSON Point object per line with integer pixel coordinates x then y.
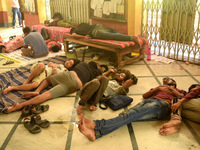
{"type": "Point", "coordinates": [149, 54]}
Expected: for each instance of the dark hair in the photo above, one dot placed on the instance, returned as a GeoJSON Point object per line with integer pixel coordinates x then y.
{"type": "Point", "coordinates": [55, 48]}
{"type": "Point", "coordinates": [104, 68]}
{"type": "Point", "coordinates": [27, 30]}
{"type": "Point", "coordinates": [126, 72]}
{"type": "Point", "coordinates": [192, 86]}
{"type": "Point", "coordinates": [1, 47]}
{"type": "Point", "coordinates": [76, 61]}
{"type": "Point", "coordinates": [134, 79]}
{"type": "Point", "coordinates": [57, 15]}
{"type": "Point", "coordinates": [72, 30]}
{"type": "Point", "coordinates": [174, 82]}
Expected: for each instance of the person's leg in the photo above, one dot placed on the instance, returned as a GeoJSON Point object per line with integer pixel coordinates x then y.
{"type": "Point", "coordinates": [36, 100]}
{"type": "Point", "coordinates": [191, 110]}
{"type": "Point", "coordinates": [86, 93]}
{"type": "Point", "coordinates": [27, 52]}
{"type": "Point", "coordinates": [149, 109]}
{"type": "Point", "coordinates": [19, 16]}
{"type": "Point", "coordinates": [96, 97]}
{"type": "Point", "coordinates": [24, 87]}
{"type": "Point", "coordinates": [44, 84]}
{"type": "Point", "coordinates": [14, 11]}
{"type": "Point", "coordinates": [36, 69]}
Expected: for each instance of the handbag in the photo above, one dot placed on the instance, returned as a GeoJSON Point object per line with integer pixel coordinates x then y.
{"type": "Point", "coordinates": [115, 102]}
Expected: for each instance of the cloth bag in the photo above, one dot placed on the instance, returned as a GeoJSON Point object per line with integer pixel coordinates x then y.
{"type": "Point", "coordinates": [116, 102]}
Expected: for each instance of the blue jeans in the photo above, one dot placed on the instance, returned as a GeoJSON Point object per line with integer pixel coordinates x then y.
{"type": "Point", "coordinates": [105, 33]}
{"type": "Point", "coordinates": [16, 11]}
{"type": "Point", "coordinates": [150, 109]}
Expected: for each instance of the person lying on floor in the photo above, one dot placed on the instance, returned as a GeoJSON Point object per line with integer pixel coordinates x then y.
{"type": "Point", "coordinates": [93, 91]}
{"type": "Point", "coordinates": [64, 83]}
{"type": "Point", "coordinates": [100, 31]}
{"type": "Point", "coordinates": [188, 107]}
{"type": "Point", "coordinates": [35, 41]}
{"type": "Point", "coordinates": [155, 107]}
{"type": "Point", "coordinates": [40, 71]}
{"type": "Point", "coordinates": [12, 45]}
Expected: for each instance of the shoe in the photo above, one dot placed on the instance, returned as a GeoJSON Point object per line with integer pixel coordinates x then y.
{"type": "Point", "coordinates": [13, 27]}
{"type": "Point", "coordinates": [26, 111]}
{"type": "Point", "coordinates": [31, 126]}
{"type": "Point", "coordinates": [38, 109]}
{"type": "Point", "coordinates": [38, 120]}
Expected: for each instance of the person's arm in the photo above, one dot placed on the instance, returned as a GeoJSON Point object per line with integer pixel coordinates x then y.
{"type": "Point", "coordinates": [25, 46]}
{"type": "Point", "coordinates": [175, 92]}
{"type": "Point", "coordinates": [177, 105]}
{"type": "Point", "coordinates": [54, 67]}
{"type": "Point", "coordinates": [127, 84]}
{"type": "Point", "coordinates": [150, 92]}
{"type": "Point", "coordinates": [54, 20]}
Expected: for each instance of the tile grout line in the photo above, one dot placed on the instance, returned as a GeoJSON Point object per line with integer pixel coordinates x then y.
{"type": "Point", "coordinates": [5, 143]}
{"type": "Point", "coordinates": [197, 138]}
{"type": "Point", "coordinates": [130, 127]}
{"type": "Point", "coordinates": [73, 118]}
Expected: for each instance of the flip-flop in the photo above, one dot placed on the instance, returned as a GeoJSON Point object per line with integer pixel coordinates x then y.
{"type": "Point", "coordinates": [8, 62]}
{"type": "Point", "coordinates": [42, 123]}
{"type": "Point", "coordinates": [31, 126]}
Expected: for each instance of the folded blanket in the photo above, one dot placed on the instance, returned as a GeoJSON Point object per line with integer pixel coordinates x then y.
{"type": "Point", "coordinates": [17, 77]}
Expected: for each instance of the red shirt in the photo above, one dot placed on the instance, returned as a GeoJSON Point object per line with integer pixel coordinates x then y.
{"type": "Point", "coordinates": [166, 95]}
{"type": "Point", "coordinates": [193, 94]}
{"type": "Point", "coordinates": [53, 43]}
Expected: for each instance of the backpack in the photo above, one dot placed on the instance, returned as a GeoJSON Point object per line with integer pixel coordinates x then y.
{"type": "Point", "coordinates": [115, 102]}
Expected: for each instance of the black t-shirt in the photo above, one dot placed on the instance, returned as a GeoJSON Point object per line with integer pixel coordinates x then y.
{"type": "Point", "coordinates": [83, 29]}
{"type": "Point", "coordinates": [86, 72]}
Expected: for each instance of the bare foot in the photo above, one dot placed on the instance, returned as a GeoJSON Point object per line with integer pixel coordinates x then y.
{"type": "Point", "coordinates": [171, 127]}
{"type": "Point", "coordinates": [93, 108]}
{"type": "Point", "coordinates": [136, 40]}
{"type": "Point", "coordinates": [170, 130]}
{"type": "Point", "coordinates": [7, 90]}
{"type": "Point", "coordinates": [15, 107]}
{"type": "Point", "coordinates": [29, 94]}
{"type": "Point", "coordinates": [79, 110]}
{"type": "Point", "coordinates": [171, 123]}
{"type": "Point", "coordinates": [89, 133]}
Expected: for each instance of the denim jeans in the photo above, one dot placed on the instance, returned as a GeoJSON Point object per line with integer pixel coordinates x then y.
{"type": "Point", "coordinates": [150, 109]}
{"type": "Point", "coordinates": [16, 11]}
{"type": "Point", "coordinates": [105, 33]}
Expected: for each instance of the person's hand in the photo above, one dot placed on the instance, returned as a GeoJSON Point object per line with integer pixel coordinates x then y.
{"type": "Point", "coordinates": [87, 37]}
{"type": "Point", "coordinates": [163, 88]}
{"type": "Point", "coordinates": [175, 106]}
{"type": "Point", "coordinates": [113, 70]}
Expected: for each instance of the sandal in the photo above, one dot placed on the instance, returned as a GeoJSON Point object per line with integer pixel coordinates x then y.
{"type": "Point", "coordinates": [26, 111]}
{"type": "Point", "coordinates": [31, 126]}
{"type": "Point", "coordinates": [8, 62]}
{"type": "Point", "coordinates": [37, 109]}
{"type": "Point", "coordinates": [42, 123]}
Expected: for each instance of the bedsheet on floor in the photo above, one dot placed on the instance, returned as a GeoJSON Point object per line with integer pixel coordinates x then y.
{"type": "Point", "coordinates": [17, 77]}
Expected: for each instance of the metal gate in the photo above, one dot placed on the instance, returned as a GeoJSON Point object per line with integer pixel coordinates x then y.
{"type": "Point", "coordinates": [75, 10]}
{"type": "Point", "coordinates": [173, 28]}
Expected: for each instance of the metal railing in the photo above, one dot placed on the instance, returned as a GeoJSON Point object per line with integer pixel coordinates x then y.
{"type": "Point", "coordinates": [173, 28]}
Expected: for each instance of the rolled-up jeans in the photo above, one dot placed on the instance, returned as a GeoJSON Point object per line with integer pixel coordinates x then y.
{"type": "Point", "coordinates": [150, 109]}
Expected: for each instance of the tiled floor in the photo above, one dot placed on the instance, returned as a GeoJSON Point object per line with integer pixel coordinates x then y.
{"type": "Point", "coordinates": [64, 134]}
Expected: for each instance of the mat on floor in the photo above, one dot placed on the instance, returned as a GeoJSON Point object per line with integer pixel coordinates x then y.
{"type": "Point", "coordinates": [17, 77]}
{"type": "Point", "coordinates": [19, 59]}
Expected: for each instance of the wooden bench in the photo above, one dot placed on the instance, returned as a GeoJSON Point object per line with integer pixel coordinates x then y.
{"type": "Point", "coordinates": [120, 48]}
